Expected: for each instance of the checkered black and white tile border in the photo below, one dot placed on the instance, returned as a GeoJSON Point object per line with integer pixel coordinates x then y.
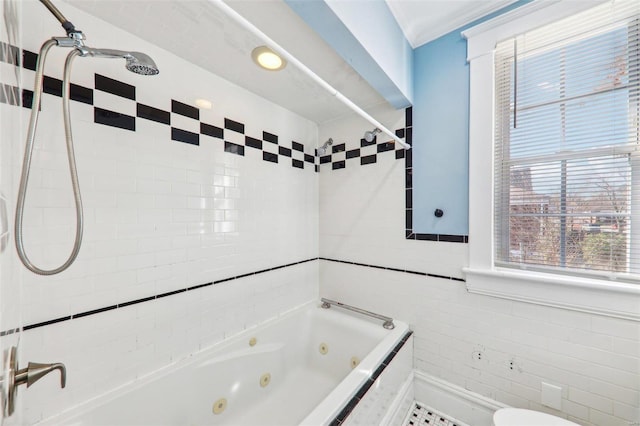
{"type": "Point", "coordinates": [182, 120]}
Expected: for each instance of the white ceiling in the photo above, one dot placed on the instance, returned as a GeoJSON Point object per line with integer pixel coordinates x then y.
{"type": "Point", "coordinates": [425, 20]}
{"type": "Point", "coordinates": [199, 32]}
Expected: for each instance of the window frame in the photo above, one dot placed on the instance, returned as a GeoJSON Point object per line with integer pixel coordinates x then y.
{"type": "Point", "coordinates": [579, 293]}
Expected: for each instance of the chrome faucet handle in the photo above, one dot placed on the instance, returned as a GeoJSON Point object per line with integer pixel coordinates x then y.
{"type": "Point", "coordinates": [35, 371]}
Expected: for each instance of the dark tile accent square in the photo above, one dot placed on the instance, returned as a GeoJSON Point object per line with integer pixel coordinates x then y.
{"type": "Point", "coordinates": [233, 125]}
{"type": "Point", "coordinates": [185, 110]}
{"type": "Point", "coordinates": [338, 148]}
{"type": "Point", "coordinates": [153, 114]}
{"type": "Point", "coordinates": [409, 136]}
{"type": "Point", "coordinates": [185, 136]}
{"type": "Point", "coordinates": [213, 131]}
{"type": "Point", "coordinates": [268, 156]}
{"type": "Point", "coordinates": [252, 142]}
{"type": "Point", "coordinates": [386, 146]}
{"type": "Point", "coordinates": [353, 153]}
{"type": "Point", "coordinates": [317, 168]}
{"type": "Point", "coordinates": [409, 235]}
{"type": "Point", "coordinates": [9, 54]}
{"type": "Point", "coordinates": [52, 86]}
{"type": "Point", "coordinates": [408, 197]}
{"type": "Point", "coordinates": [115, 87]}
{"type": "Point", "coordinates": [400, 133]}
{"type": "Point", "coordinates": [338, 165]}
{"type": "Point", "coordinates": [408, 117]}
{"type": "Point", "coordinates": [114, 119]}
{"type": "Point", "coordinates": [427, 237]}
{"type": "Point", "coordinates": [363, 142]}
{"type": "Point", "coordinates": [297, 163]}
{"type": "Point", "coordinates": [368, 159]}
{"type": "Point", "coordinates": [451, 238]}
{"type": "Point", "coordinates": [269, 137]}
{"type": "Point", "coordinates": [309, 158]}
{"type": "Point", "coordinates": [29, 60]}
{"type": "Point", "coordinates": [27, 98]}
{"type": "Point", "coordinates": [409, 218]}
{"type": "Point", "coordinates": [284, 151]}
{"type": "Point", "coordinates": [297, 146]}
{"type": "Point", "coordinates": [233, 148]}
{"type": "Point", "coordinates": [81, 94]}
{"type": "Point", "coordinates": [408, 178]}
{"type": "Point", "coordinates": [466, 238]}
{"type": "Point", "coordinates": [326, 159]}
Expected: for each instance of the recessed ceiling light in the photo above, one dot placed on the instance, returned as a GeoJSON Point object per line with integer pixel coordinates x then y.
{"type": "Point", "coordinates": [268, 59]}
{"type": "Point", "coordinates": [204, 104]}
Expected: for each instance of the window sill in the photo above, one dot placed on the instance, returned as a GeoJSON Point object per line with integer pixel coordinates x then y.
{"type": "Point", "coordinates": [619, 300]}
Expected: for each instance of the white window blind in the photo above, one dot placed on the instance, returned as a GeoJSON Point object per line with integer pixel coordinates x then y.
{"type": "Point", "coordinates": [567, 133]}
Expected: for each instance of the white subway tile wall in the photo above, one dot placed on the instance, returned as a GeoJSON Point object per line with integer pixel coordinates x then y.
{"type": "Point", "coordinates": [162, 214]}
{"type": "Point", "coordinates": [498, 348]}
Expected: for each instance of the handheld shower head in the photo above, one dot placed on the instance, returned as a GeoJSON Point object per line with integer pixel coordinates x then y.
{"type": "Point", "coordinates": [137, 62]}
{"type": "Point", "coordinates": [369, 136]}
{"type": "Point", "coordinates": [141, 63]}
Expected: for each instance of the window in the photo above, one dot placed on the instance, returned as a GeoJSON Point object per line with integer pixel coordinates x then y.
{"type": "Point", "coordinates": [566, 146]}
{"type": "Point", "coordinates": [554, 160]}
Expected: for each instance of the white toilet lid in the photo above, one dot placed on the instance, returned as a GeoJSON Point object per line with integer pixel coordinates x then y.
{"type": "Point", "coordinates": [521, 417]}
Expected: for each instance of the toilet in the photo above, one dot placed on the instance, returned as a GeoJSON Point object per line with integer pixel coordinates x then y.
{"type": "Point", "coordinates": [521, 417]}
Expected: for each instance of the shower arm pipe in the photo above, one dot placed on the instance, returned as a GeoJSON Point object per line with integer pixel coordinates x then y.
{"type": "Point", "coordinates": [66, 24]}
{"type": "Point", "coordinates": [302, 67]}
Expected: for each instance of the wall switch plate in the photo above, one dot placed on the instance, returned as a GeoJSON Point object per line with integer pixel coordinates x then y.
{"type": "Point", "coordinates": [551, 396]}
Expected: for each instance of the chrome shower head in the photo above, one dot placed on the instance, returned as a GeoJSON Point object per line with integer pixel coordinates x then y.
{"type": "Point", "coordinates": [141, 63]}
{"type": "Point", "coordinates": [369, 136]}
{"type": "Point", "coordinates": [325, 146]}
{"type": "Point", "coordinates": [137, 62]}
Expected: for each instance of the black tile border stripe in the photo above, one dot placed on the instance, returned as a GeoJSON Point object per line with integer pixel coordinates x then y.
{"type": "Point", "coordinates": [148, 299]}
{"type": "Point", "coordinates": [408, 163]}
{"type": "Point", "coordinates": [353, 402]}
{"type": "Point", "coordinates": [406, 271]}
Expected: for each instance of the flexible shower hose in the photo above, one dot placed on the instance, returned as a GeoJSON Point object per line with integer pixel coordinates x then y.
{"type": "Point", "coordinates": [26, 164]}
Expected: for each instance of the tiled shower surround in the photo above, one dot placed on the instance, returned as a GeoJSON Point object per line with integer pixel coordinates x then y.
{"type": "Point", "coordinates": [367, 262]}
{"type": "Point", "coordinates": [198, 223]}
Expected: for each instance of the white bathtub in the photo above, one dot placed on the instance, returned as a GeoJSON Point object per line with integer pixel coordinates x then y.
{"type": "Point", "coordinates": [306, 386]}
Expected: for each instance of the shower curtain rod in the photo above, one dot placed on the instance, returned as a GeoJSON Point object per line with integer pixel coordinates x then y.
{"type": "Point", "coordinates": [302, 67]}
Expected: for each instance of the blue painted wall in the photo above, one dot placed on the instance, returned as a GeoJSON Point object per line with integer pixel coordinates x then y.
{"type": "Point", "coordinates": [441, 133]}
